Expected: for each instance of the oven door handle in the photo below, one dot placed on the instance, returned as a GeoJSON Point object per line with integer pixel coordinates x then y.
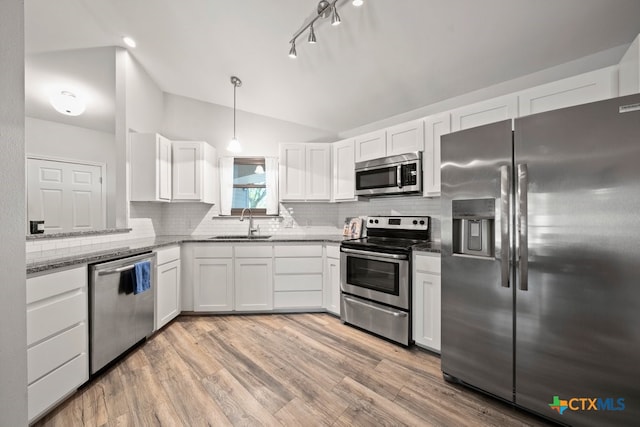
{"type": "Point", "coordinates": [373, 254]}
{"type": "Point", "coordinates": [392, 313]}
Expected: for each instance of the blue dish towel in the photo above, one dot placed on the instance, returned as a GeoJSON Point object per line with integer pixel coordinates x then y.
{"type": "Point", "coordinates": [142, 277]}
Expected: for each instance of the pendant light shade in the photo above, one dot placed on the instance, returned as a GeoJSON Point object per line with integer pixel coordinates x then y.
{"type": "Point", "coordinates": [234, 144]}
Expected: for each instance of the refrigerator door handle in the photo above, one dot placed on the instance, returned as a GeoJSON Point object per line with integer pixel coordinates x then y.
{"type": "Point", "coordinates": [505, 191]}
{"type": "Point", "coordinates": [521, 217]}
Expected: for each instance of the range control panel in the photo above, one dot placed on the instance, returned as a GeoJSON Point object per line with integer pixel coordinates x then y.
{"type": "Point", "coordinates": [398, 222]}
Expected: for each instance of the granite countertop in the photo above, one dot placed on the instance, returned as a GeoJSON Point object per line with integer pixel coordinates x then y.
{"type": "Point", "coordinates": [87, 254]}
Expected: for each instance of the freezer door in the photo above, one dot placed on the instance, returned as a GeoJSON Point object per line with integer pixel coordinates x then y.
{"type": "Point", "coordinates": [577, 321]}
{"type": "Point", "coordinates": [477, 299]}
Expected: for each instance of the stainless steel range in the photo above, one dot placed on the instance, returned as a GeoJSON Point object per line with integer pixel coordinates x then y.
{"type": "Point", "coordinates": [375, 276]}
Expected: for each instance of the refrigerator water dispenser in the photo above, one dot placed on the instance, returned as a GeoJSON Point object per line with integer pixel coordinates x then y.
{"type": "Point", "coordinates": [473, 225]}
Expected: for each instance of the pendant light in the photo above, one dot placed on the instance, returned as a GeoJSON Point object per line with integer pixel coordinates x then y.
{"type": "Point", "coordinates": [234, 144]}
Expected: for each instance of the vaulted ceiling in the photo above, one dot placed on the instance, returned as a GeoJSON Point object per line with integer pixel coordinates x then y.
{"type": "Point", "coordinates": [386, 58]}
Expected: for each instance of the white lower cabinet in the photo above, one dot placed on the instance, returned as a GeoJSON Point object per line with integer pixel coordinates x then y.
{"type": "Point", "coordinates": [57, 337]}
{"type": "Point", "coordinates": [253, 268]}
{"type": "Point", "coordinates": [212, 277]}
{"type": "Point", "coordinates": [426, 300]}
{"type": "Point", "coordinates": [168, 285]}
{"type": "Point", "coordinates": [298, 277]}
{"type": "Point", "coordinates": [332, 279]}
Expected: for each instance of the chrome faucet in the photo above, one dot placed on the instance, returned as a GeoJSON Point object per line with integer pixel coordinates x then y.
{"type": "Point", "coordinates": [251, 229]}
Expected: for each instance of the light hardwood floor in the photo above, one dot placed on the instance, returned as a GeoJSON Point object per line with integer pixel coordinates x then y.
{"type": "Point", "coordinates": [291, 370]}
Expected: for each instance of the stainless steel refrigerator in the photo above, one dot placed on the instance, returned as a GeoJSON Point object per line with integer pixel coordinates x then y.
{"type": "Point", "coordinates": [541, 261]}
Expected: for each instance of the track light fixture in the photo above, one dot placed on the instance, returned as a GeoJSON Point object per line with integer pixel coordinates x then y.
{"type": "Point", "coordinates": [324, 9]}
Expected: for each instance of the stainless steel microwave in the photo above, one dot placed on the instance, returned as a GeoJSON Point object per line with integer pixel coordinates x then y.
{"type": "Point", "coordinates": [391, 175]}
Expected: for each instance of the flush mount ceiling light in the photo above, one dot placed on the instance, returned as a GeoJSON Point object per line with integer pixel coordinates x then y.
{"type": "Point", "coordinates": [234, 144]}
{"type": "Point", "coordinates": [67, 103]}
{"type": "Point", "coordinates": [324, 9]}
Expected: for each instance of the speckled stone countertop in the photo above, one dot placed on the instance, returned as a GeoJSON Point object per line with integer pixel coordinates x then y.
{"type": "Point", "coordinates": [433, 247]}
{"type": "Point", "coordinates": [88, 254]}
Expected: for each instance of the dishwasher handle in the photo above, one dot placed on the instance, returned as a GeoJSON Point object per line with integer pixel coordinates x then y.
{"type": "Point", "coordinates": [116, 270]}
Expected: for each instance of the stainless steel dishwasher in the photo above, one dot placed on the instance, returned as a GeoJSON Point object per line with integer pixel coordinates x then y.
{"type": "Point", "coordinates": [119, 318]}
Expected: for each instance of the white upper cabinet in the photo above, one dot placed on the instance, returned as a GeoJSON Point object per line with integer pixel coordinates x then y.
{"type": "Point", "coordinates": [434, 127]}
{"type": "Point", "coordinates": [405, 138]}
{"type": "Point", "coordinates": [305, 171]}
{"type": "Point", "coordinates": [151, 161]}
{"type": "Point", "coordinates": [344, 175]}
{"type": "Point", "coordinates": [371, 146]}
{"type": "Point", "coordinates": [195, 176]}
{"type": "Point", "coordinates": [629, 69]}
{"type": "Point", "coordinates": [580, 89]}
{"type": "Point", "coordinates": [485, 112]}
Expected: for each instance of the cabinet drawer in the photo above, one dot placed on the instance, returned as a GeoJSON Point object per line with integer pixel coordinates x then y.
{"type": "Point", "coordinates": [302, 299]}
{"type": "Point", "coordinates": [55, 283]}
{"type": "Point", "coordinates": [333, 251]}
{"type": "Point", "coordinates": [213, 251]}
{"type": "Point", "coordinates": [298, 282]}
{"type": "Point", "coordinates": [166, 255]}
{"type": "Point", "coordinates": [250, 251]}
{"type": "Point", "coordinates": [427, 263]}
{"type": "Point", "coordinates": [298, 265]}
{"type": "Point", "coordinates": [298, 251]}
{"type": "Point", "coordinates": [46, 318]}
{"type": "Point", "coordinates": [56, 351]}
{"type": "Point", "coordinates": [50, 389]}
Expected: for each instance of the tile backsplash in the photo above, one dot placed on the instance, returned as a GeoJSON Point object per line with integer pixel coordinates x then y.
{"type": "Point", "coordinates": [148, 219]}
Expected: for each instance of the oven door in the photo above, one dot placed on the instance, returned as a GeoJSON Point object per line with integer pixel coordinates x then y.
{"type": "Point", "coordinates": [376, 276]}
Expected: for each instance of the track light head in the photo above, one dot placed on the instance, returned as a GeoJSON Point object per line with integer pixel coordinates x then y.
{"type": "Point", "coordinates": [292, 51]}
{"type": "Point", "coordinates": [312, 35]}
{"type": "Point", "coordinates": [335, 18]}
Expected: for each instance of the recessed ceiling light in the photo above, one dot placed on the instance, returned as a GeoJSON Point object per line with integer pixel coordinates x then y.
{"type": "Point", "coordinates": [67, 103]}
{"type": "Point", "coordinates": [129, 41]}
{"type": "Point", "coordinates": [357, 2]}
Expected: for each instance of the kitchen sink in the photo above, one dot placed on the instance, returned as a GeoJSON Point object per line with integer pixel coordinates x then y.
{"type": "Point", "coordinates": [239, 237]}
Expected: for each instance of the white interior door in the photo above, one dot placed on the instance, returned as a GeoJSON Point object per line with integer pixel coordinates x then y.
{"type": "Point", "coordinates": [67, 196]}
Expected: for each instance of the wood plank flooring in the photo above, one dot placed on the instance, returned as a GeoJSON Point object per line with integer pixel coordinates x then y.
{"type": "Point", "coordinates": [272, 370]}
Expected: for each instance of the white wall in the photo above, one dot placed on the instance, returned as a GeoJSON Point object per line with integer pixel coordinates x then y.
{"type": "Point", "coordinates": [139, 108]}
{"type": "Point", "coordinates": [13, 326]}
{"type": "Point", "coordinates": [585, 64]}
{"type": "Point", "coordinates": [187, 118]}
{"type": "Point", "coordinates": [59, 140]}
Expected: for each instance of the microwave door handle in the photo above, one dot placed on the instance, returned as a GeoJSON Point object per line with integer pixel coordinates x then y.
{"type": "Point", "coordinates": [399, 176]}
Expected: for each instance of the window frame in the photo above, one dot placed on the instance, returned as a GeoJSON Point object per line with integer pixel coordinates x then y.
{"type": "Point", "coordinates": [249, 161]}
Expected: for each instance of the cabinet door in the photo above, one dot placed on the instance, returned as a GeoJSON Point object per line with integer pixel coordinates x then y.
{"type": "Point", "coordinates": [426, 327]}
{"type": "Point", "coordinates": [212, 284]}
{"type": "Point", "coordinates": [168, 293]}
{"type": "Point", "coordinates": [164, 168]}
{"type": "Point", "coordinates": [344, 176]}
{"type": "Point", "coordinates": [187, 170]}
{"type": "Point", "coordinates": [587, 87]}
{"type": "Point", "coordinates": [434, 127]}
{"type": "Point", "coordinates": [333, 286]}
{"type": "Point", "coordinates": [371, 146]}
{"type": "Point", "coordinates": [482, 113]}
{"type": "Point", "coordinates": [292, 171]}
{"type": "Point", "coordinates": [253, 284]}
{"type": "Point", "coordinates": [405, 138]}
{"type": "Point", "coordinates": [318, 171]}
